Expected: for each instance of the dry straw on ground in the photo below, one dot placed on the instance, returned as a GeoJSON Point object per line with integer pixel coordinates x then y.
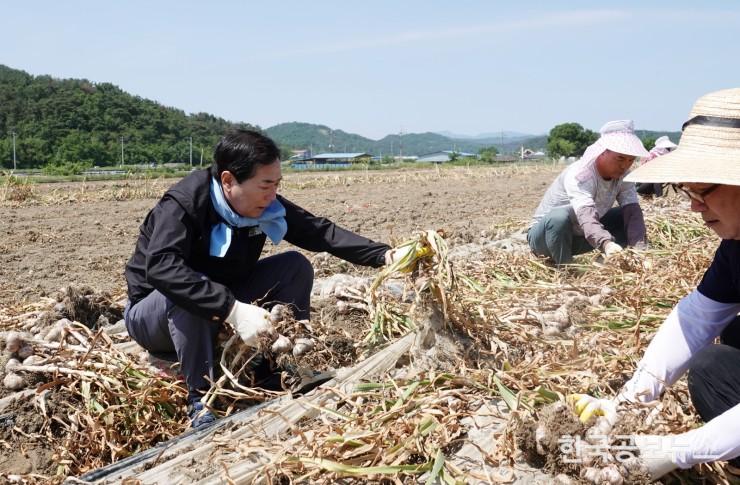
{"type": "Point", "coordinates": [96, 405]}
{"type": "Point", "coordinates": [538, 333]}
{"type": "Point", "coordinates": [519, 330]}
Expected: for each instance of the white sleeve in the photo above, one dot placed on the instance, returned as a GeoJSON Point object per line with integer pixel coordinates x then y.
{"type": "Point", "coordinates": [580, 187]}
{"type": "Point", "coordinates": [692, 324]}
{"type": "Point", "coordinates": [719, 439]}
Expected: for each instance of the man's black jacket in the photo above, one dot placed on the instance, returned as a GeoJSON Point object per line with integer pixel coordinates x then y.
{"type": "Point", "coordinates": [172, 252]}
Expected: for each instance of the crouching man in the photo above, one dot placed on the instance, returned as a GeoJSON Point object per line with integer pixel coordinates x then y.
{"type": "Point", "coordinates": [576, 213]}
{"type": "Point", "coordinates": [197, 259]}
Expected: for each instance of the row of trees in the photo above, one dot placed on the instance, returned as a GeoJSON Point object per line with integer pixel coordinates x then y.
{"type": "Point", "coordinates": [571, 140]}
{"type": "Point", "coordinates": [88, 150]}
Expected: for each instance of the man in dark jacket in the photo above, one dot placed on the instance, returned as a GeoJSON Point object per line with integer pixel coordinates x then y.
{"type": "Point", "coordinates": [197, 259]}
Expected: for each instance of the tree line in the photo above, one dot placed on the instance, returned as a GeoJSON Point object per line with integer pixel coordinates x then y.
{"type": "Point", "coordinates": [572, 139]}
{"type": "Point", "coordinates": [58, 123]}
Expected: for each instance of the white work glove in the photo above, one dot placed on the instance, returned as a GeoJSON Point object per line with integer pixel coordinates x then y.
{"type": "Point", "coordinates": [250, 321]}
{"type": "Point", "coordinates": [656, 453]}
{"type": "Point", "coordinates": [610, 247]}
{"type": "Point", "coordinates": [397, 254]}
{"type": "Point", "coordinates": [587, 406]}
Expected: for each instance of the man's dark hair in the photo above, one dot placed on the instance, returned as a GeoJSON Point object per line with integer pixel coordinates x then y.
{"type": "Point", "coordinates": [239, 152]}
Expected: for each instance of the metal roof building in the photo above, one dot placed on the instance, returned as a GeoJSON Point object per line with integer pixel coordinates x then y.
{"type": "Point", "coordinates": [339, 157]}
{"type": "Point", "coordinates": [443, 156]}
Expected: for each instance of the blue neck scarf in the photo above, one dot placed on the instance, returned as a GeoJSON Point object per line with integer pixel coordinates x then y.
{"type": "Point", "coordinates": [271, 222]}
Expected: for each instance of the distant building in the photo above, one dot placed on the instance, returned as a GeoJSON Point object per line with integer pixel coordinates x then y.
{"type": "Point", "coordinates": [358, 157]}
{"type": "Point", "coordinates": [506, 158]}
{"type": "Point", "coordinates": [528, 154]}
{"type": "Point", "coordinates": [299, 155]}
{"type": "Point", "coordinates": [443, 156]}
{"type": "Point", "coordinates": [329, 161]}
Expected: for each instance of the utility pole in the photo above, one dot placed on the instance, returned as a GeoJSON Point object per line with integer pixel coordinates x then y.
{"type": "Point", "coordinates": [400, 144]}
{"type": "Point", "coordinates": [191, 152]}
{"type": "Point", "coordinates": [201, 157]}
{"type": "Point", "coordinates": [121, 151]}
{"type": "Point", "coordinates": [14, 163]}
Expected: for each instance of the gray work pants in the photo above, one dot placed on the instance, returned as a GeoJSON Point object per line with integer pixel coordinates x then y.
{"type": "Point", "coordinates": [553, 236]}
{"type": "Point", "coordinates": [162, 327]}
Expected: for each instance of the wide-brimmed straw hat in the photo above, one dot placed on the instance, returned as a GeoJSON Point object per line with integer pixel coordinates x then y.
{"type": "Point", "coordinates": [709, 149]}
{"type": "Point", "coordinates": [619, 136]}
{"type": "Point", "coordinates": [665, 142]}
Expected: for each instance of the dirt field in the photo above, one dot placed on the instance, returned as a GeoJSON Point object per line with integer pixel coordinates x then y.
{"type": "Point", "coordinates": [550, 332]}
{"type": "Point", "coordinates": [83, 233]}
{"type": "Point", "coordinates": [59, 235]}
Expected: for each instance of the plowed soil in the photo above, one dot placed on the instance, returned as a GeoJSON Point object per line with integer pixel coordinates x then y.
{"type": "Point", "coordinates": [55, 235]}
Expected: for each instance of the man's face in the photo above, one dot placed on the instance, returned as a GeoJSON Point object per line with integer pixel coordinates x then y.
{"type": "Point", "coordinates": [612, 165]}
{"type": "Point", "coordinates": [720, 209]}
{"type": "Point", "coordinates": [251, 197]}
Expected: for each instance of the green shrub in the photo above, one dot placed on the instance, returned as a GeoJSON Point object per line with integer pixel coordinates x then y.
{"type": "Point", "coordinates": [65, 168]}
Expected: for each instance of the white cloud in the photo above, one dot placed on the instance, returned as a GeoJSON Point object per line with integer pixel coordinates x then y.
{"type": "Point", "coordinates": [568, 19]}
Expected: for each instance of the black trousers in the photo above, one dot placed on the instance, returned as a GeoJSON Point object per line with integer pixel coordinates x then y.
{"type": "Point", "coordinates": [162, 327]}
{"type": "Point", "coordinates": [649, 189]}
{"type": "Point", "coordinates": [714, 376]}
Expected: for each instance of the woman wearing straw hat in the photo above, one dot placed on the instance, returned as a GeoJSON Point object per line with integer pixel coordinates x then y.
{"type": "Point", "coordinates": [663, 146]}
{"type": "Point", "coordinates": [576, 213]}
{"type": "Point", "coordinates": [706, 168]}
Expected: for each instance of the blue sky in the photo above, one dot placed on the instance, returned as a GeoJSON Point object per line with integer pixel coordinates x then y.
{"type": "Point", "coordinates": [377, 67]}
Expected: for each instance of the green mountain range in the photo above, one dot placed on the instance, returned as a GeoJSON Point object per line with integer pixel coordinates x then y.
{"type": "Point", "coordinates": [321, 138]}
{"type": "Point", "coordinates": [57, 122]}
